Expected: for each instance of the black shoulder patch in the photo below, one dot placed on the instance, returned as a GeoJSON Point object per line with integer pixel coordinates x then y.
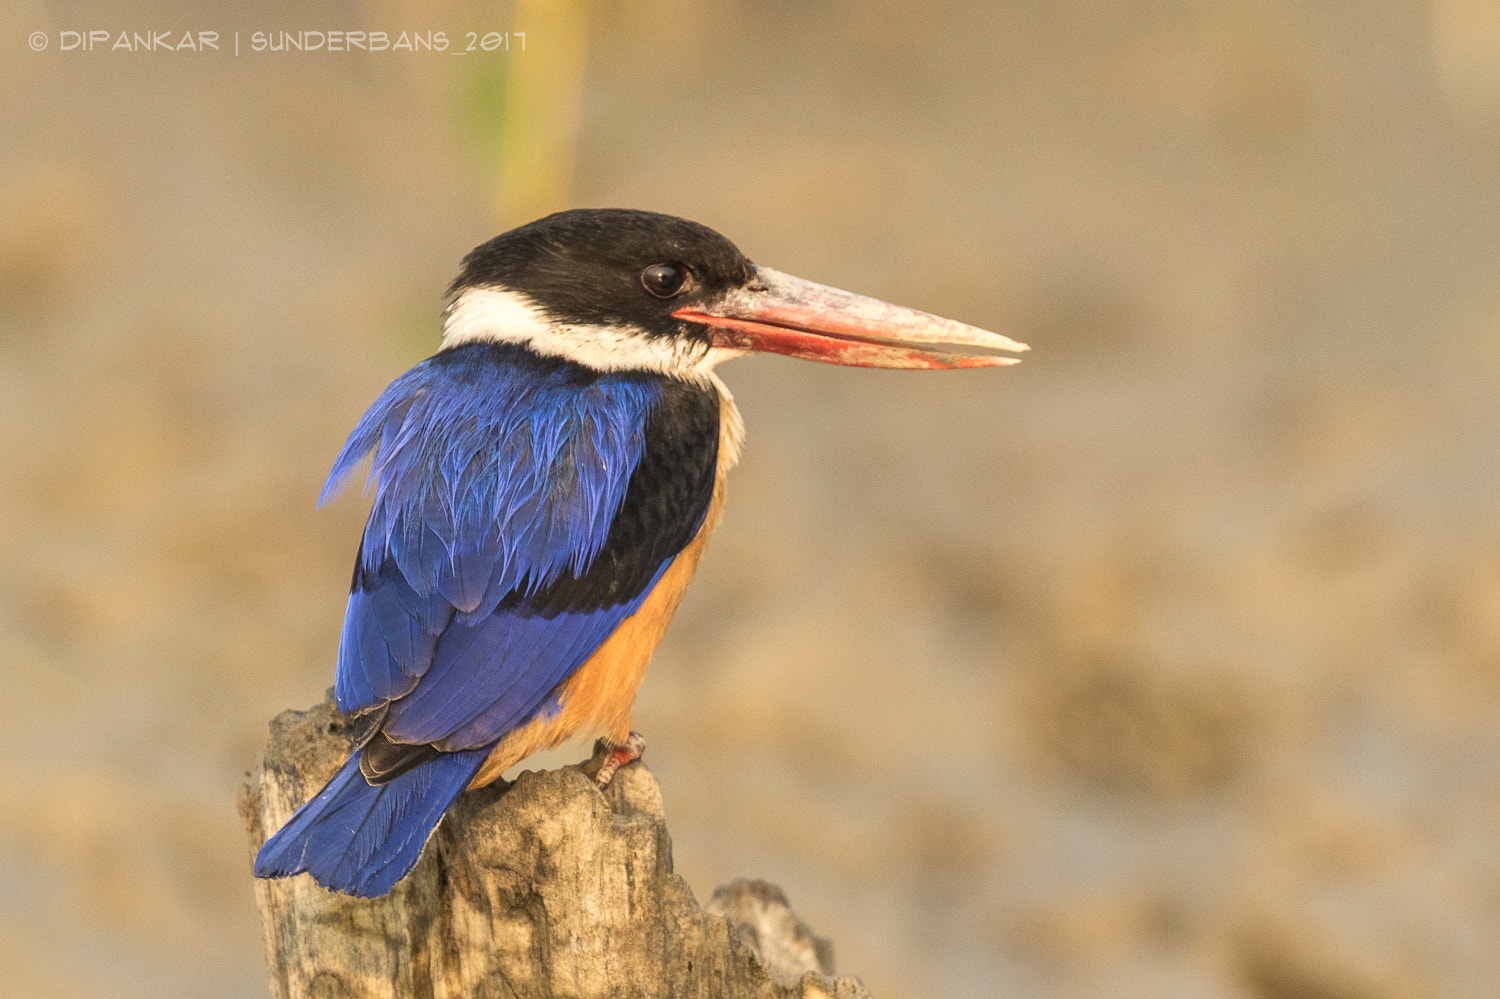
{"type": "Point", "coordinates": [665, 502]}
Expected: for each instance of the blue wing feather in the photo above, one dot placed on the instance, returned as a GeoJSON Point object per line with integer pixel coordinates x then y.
{"type": "Point", "coordinates": [489, 677]}
{"type": "Point", "coordinates": [388, 640]}
{"type": "Point", "coordinates": [492, 475]}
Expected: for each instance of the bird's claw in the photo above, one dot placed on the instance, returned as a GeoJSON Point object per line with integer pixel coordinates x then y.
{"type": "Point", "coordinates": [617, 756]}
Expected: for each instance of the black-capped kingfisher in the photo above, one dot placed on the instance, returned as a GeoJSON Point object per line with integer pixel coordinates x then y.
{"type": "Point", "coordinates": [543, 488]}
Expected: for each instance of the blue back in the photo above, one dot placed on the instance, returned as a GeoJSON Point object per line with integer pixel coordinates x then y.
{"type": "Point", "coordinates": [495, 472]}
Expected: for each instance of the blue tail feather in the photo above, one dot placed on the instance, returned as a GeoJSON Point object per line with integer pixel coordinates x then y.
{"type": "Point", "coordinates": [361, 838]}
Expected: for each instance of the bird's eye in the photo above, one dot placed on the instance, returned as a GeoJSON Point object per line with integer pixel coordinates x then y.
{"type": "Point", "coordinates": [665, 280]}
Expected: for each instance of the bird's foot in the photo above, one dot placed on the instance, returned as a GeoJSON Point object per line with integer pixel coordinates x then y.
{"type": "Point", "coordinates": [617, 756]}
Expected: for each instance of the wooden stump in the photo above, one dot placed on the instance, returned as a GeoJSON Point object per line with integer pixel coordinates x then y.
{"type": "Point", "coordinates": [538, 889]}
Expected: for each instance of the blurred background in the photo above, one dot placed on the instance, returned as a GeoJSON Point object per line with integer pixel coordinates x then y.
{"type": "Point", "coordinates": [1164, 664]}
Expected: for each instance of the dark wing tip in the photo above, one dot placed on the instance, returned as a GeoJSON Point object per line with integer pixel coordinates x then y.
{"type": "Point", "coordinates": [382, 761]}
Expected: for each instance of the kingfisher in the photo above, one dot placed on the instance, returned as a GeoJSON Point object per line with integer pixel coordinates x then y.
{"type": "Point", "coordinates": [543, 489]}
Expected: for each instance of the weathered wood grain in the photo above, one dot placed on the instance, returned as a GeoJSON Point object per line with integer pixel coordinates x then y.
{"type": "Point", "coordinates": [540, 889]}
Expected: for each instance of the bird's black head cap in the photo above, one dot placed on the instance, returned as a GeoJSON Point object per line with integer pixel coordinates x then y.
{"type": "Point", "coordinates": [610, 267]}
